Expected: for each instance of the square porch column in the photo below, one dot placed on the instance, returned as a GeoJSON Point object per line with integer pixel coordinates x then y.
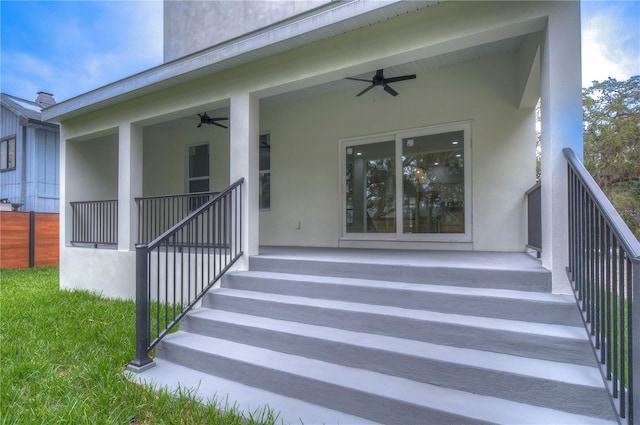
{"type": "Point", "coordinates": [561, 109]}
{"type": "Point", "coordinates": [129, 184]}
{"type": "Point", "coordinates": [243, 157]}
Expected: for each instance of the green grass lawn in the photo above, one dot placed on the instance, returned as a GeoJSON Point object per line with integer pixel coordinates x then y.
{"type": "Point", "coordinates": [62, 357]}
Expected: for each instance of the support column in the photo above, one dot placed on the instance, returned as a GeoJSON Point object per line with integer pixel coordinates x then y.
{"type": "Point", "coordinates": [561, 108]}
{"type": "Point", "coordinates": [243, 157]}
{"type": "Point", "coordinates": [129, 184]}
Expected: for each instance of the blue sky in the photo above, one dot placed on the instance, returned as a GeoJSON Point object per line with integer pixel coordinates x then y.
{"type": "Point", "coordinates": [71, 47]}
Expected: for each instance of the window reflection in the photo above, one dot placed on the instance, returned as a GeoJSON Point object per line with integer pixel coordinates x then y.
{"type": "Point", "coordinates": [433, 183]}
{"type": "Point", "coordinates": [370, 188]}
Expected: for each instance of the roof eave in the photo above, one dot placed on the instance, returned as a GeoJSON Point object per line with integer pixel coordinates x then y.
{"type": "Point", "coordinates": [335, 18]}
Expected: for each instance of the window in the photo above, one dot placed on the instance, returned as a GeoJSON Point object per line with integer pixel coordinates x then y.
{"type": "Point", "coordinates": [265, 171]}
{"type": "Point", "coordinates": [409, 185]}
{"type": "Point", "coordinates": [8, 154]}
{"type": "Point", "coordinates": [198, 178]}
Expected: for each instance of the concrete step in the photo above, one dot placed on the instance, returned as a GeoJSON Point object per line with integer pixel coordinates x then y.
{"type": "Point", "coordinates": [254, 402]}
{"type": "Point", "coordinates": [363, 393]}
{"type": "Point", "coordinates": [517, 271]}
{"type": "Point", "coordinates": [561, 343]}
{"type": "Point", "coordinates": [568, 387]}
{"type": "Point", "coordinates": [483, 302]}
{"type": "Point", "coordinates": [355, 336]}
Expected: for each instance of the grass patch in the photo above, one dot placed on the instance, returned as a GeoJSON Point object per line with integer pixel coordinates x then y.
{"type": "Point", "coordinates": [62, 354]}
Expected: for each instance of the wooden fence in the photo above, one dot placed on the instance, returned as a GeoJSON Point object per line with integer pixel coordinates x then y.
{"type": "Point", "coordinates": [29, 239]}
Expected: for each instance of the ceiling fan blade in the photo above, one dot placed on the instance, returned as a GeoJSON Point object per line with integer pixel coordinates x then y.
{"type": "Point", "coordinates": [358, 79]}
{"type": "Point", "coordinates": [365, 90]}
{"type": "Point", "coordinates": [389, 90]}
{"type": "Point", "coordinates": [402, 78]}
{"type": "Point", "coordinates": [219, 119]}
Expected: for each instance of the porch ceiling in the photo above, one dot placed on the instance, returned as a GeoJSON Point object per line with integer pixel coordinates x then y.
{"type": "Point", "coordinates": [416, 67]}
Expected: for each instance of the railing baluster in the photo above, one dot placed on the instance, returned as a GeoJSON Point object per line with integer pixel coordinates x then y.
{"type": "Point", "coordinates": [604, 266]}
{"type": "Point", "coordinates": [94, 222]}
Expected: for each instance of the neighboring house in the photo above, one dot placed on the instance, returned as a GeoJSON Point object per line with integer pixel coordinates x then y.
{"type": "Point", "coordinates": [29, 155]}
{"type": "Point", "coordinates": [284, 72]}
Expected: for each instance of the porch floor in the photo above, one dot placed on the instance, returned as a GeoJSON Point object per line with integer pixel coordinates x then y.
{"type": "Point", "coordinates": [424, 258]}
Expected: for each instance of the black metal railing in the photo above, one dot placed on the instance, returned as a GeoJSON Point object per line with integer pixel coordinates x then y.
{"type": "Point", "coordinates": [604, 267]}
{"type": "Point", "coordinates": [534, 218]}
{"type": "Point", "coordinates": [177, 269]}
{"type": "Point", "coordinates": [157, 214]}
{"type": "Point", "coordinates": [94, 222]}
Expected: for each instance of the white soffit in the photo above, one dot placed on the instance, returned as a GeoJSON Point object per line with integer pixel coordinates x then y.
{"type": "Point", "coordinates": [415, 67]}
{"type": "Point", "coordinates": [334, 19]}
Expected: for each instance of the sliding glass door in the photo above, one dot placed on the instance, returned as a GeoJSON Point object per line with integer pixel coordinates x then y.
{"type": "Point", "coordinates": [409, 185]}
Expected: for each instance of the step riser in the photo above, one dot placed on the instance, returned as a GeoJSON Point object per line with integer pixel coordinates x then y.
{"type": "Point", "coordinates": [537, 281]}
{"type": "Point", "coordinates": [535, 391]}
{"type": "Point", "coordinates": [354, 402]}
{"type": "Point", "coordinates": [510, 309]}
{"type": "Point", "coordinates": [526, 345]}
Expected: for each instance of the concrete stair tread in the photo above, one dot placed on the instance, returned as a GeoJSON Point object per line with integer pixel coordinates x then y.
{"type": "Point", "coordinates": [422, 258]}
{"type": "Point", "coordinates": [552, 330]}
{"type": "Point", "coordinates": [473, 406]}
{"type": "Point", "coordinates": [246, 399]}
{"type": "Point", "coordinates": [509, 294]}
{"type": "Point", "coordinates": [523, 366]}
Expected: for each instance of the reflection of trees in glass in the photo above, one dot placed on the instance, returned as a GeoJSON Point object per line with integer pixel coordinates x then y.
{"type": "Point", "coordinates": [380, 188]}
{"type": "Point", "coordinates": [433, 190]}
{"type": "Point", "coordinates": [370, 188]}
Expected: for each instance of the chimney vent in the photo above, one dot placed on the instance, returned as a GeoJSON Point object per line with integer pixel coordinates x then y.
{"type": "Point", "coordinates": [45, 99]}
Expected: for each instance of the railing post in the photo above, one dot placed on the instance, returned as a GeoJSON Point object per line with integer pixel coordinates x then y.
{"type": "Point", "coordinates": [634, 333]}
{"type": "Point", "coordinates": [142, 360]}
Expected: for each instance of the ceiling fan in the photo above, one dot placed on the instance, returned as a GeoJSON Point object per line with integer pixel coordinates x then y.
{"type": "Point", "coordinates": [379, 80]}
{"type": "Point", "coordinates": [205, 119]}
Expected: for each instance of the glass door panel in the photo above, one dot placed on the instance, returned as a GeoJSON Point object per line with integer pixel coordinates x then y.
{"type": "Point", "coordinates": [370, 188]}
{"type": "Point", "coordinates": [433, 192]}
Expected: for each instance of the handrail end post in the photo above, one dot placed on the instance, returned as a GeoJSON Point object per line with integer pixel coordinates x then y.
{"type": "Point", "coordinates": [137, 366]}
{"type": "Point", "coordinates": [142, 360]}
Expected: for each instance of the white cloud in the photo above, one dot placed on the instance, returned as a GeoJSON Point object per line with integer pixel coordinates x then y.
{"type": "Point", "coordinates": [87, 51]}
{"type": "Point", "coordinates": [610, 44]}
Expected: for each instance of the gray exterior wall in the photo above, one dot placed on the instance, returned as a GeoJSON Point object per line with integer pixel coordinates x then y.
{"type": "Point", "coordinates": [190, 26]}
{"type": "Point", "coordinates": [35, 182]}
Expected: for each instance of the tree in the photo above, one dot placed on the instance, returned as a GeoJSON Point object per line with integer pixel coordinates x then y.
{"type": "Point", "coordinates": [612, 143]}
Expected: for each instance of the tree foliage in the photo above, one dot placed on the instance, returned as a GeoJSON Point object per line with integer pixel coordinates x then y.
{"type": "Point", "coordinates": [612, 143]}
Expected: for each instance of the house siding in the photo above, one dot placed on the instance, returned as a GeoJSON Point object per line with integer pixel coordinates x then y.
{"type": "Point", "coordinates": [35, 182]}
{"type": "Point", "coordinates": [10, 181]}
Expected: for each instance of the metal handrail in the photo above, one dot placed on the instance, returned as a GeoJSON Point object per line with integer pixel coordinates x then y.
{"type": "Point", "coordinates": [94, 222]}
{"type": "Point", "coordinates": [176, 269]}
{"type": "Point", "coordinates": [157, 214]}
{"type": "Point", "coordinates": [604, 267]}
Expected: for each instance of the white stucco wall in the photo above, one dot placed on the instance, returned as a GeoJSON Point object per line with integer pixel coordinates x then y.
{"type": "Point", "coordinates": [305, 165]}
{"type": "Point", "coordinates": [194, 25]}
{"type": "Point", "coordinates": [92, 169]}
{"type": "Point", "coordinates": [165, 157]}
